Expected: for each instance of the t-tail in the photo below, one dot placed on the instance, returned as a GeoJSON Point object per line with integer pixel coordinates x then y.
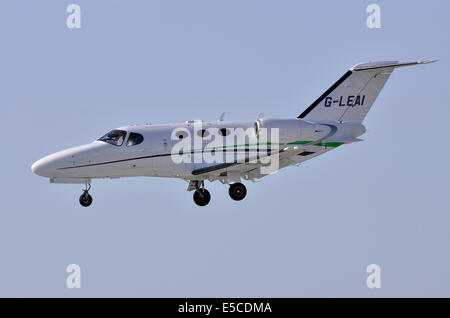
{"type": "Point", "coordinates": [352, 96]}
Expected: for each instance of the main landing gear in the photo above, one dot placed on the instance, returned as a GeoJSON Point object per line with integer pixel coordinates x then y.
{"type": "Point", "coordinates": [202, 196]}
{"type": "Point", "coordinates": [85, 198]}
{"type": "Point", "coordinates": [237, 191]}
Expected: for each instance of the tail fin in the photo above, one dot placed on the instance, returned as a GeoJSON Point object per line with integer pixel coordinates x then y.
{"type": "Point", "coordinates": [352, 96]}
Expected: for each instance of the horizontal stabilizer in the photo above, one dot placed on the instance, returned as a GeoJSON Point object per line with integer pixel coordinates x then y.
{"type": "Point", "coordinates": [375, 65]}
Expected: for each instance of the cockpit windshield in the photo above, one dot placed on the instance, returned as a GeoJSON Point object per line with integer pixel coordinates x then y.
{"type": "Point", "coordinates": [114, 137]}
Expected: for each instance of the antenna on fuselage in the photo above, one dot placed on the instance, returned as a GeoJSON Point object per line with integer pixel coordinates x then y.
{"type": "Point", "coordinates": [222, 116]}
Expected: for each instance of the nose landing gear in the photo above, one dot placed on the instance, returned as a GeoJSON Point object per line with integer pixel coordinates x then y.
{"type": "Point", "coordinates": [85, 198]}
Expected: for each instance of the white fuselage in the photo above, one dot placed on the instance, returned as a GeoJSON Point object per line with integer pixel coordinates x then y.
{"type": "Point", "coordinates": [152, 155]}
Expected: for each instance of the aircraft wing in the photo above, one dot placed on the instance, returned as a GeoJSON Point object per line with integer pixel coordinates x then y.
{"type": "Point", "coordinates": [250, 160]}
{"type": "Point", "coordinates": [254, 166]}
{"type": "Point", "coordinates": [252, 169]}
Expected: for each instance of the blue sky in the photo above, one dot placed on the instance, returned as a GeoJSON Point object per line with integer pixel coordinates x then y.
{"type": "Point", "coordinates": [305, 231]}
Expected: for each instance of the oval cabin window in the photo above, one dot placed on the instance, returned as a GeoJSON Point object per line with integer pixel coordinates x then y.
{"type": "Point", "coordinates": [181, 134]}
{"type": "Point", "coordinates": [203, 133]}
{"type": "Point", "coordinates": [224, 132]}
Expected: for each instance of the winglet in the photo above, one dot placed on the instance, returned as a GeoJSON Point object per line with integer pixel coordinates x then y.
{"type": "Point", "coordinates": [375, 65]}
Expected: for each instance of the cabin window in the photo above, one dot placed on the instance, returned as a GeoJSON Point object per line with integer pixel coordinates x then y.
{"type": "Point", "coordinates": [224, 132]}
{"type": "Point", "coordinates": [114, 137]}
{"type": "Point", "coordinates": [134, 139]}
{"type": "Point", "coordinates": [203, 133]}
{"type": "Point", "coordinates": [181, 134]}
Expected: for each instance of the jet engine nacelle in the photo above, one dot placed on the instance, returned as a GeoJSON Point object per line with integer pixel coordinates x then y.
{"type": "Point", "coordinates": [288, 129]}
{"type": "Point", "coordinates": [294, 130]}
{"type": "Point", "coordinates": [291, 130]}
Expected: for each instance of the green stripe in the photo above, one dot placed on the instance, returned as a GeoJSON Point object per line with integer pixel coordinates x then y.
{"type": "Point", "coordinates": [298, 142]}
{"type": "Point", "coordinates": [324, 144]}
{"type": "Point", "coordinates": [234, 146]}
{"type": "Point", "coordinates": [329, 144]}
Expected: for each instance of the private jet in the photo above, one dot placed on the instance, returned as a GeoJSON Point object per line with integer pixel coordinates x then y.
{"type": "Point", "coordinates": [225, 151]}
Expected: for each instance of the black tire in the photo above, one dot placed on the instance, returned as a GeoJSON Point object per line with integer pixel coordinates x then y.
{"type": "Point", "coordinates": [202, 197]}
{"type": "Point", "coordinates": [85, 199]}
{"type": "Point", "coordinates": [237, 191]}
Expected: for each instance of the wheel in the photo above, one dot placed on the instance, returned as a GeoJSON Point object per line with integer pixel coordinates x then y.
{"type": "Point", "coordinates": [202, 197]}
{"type": "Point", "coordinates": [237, 191]}
{"type": "Point", "coordinates": [85, 199]}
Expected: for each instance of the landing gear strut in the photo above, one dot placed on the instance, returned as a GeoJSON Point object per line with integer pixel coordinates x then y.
{"type": "Point", "coordinates": [237, 191]}
{"type": "Point", "coordinates": [201, 195]}
{"type": "Point", "coordinates": [85, 198]}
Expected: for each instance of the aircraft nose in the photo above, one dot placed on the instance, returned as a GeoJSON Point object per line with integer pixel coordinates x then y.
{"type": "Point", "coordinates": [51, 166]}
{"type": "Point", "coordinates": [44, 167]}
